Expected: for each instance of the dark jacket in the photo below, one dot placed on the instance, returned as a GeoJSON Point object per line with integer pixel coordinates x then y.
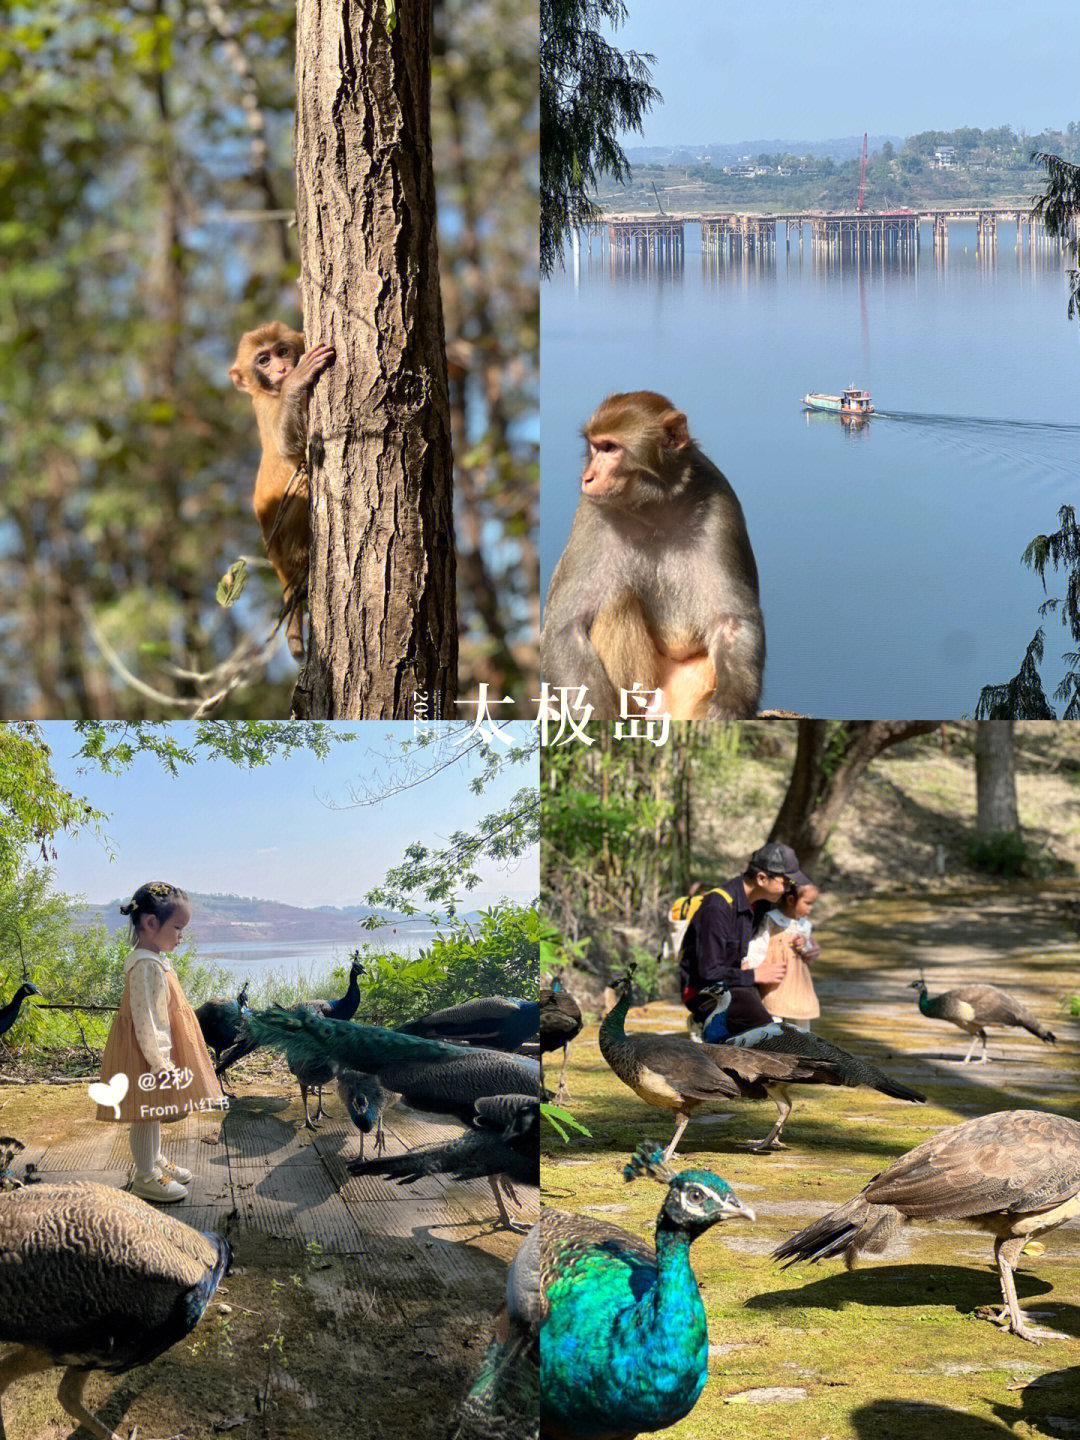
{"type": "Point", "coordinates": [713, 948]}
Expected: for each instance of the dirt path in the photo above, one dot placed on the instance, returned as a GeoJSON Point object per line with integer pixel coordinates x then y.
{"type": "Point", "coordinates": [891, 1351]}
{"type": "Point", "coordinates": [357, 1309]}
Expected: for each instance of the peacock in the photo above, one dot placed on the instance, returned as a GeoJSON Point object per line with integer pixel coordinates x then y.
{"type": "Point", "coordinates": [10, 1012]}
{"type": "Point", "coordinates": [780, 1039]}
{"type": "Point", "coordinates": [9, 1148]}
{"type": "Point", "coordinates": [504, 1401]}
{"type": "Point", "coordinates": [427, 1074]}
{"type": "Point", "coordinates": [92, 1278]}
{"type": "Point", "coordinates": [494, 1021]}
{"type": "Point", "coordinates": [972, 1007]}
{"type": "Point", "coordinates": [505, 1145]}
{"type": "Point", "coordinates": [560, 1022]}
{"type": "Point", "coordinates": [1015, 1173]}
{"type": "Point", "coordinates": [672, 1072]}
{"type": "Point", "coordinates": [366, 1100]}
{"type": "Point", "coordinates": [310, 1071]}
{"type": "Point", "coordinates": [624, 1342]}
{"type": "Point", "coordinates": [219, 1020]}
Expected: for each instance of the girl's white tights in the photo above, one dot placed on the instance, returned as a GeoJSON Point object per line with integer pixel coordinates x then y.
{"type": "Point", "coordinates": [145, 1146]}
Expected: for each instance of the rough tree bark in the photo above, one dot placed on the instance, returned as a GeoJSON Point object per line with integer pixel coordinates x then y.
{"type": "Point", "coordinates": [995, 779]}
{"type": "Point", "coordinates": [382, 597]}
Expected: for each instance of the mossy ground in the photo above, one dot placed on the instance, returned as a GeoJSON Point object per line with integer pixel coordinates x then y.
{"type": "Point", "coordinates": [892, 1349]}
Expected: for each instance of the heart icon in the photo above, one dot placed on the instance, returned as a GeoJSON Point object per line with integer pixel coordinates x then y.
{"type": "Point", "coordinates": [110, 1094]}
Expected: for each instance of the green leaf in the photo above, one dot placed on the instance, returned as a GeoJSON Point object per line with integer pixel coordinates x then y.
{"type": "Point", "coordinates": [231, 583]}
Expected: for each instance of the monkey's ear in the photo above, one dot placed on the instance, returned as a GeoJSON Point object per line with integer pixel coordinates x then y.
{"type": "Point", "coordinates": [676, 435]}
{"type": "Point", "coordinates": [236, 375]}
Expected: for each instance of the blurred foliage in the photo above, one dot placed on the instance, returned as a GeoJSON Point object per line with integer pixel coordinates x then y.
{"type": "Point", "coordinates": [144, 233]}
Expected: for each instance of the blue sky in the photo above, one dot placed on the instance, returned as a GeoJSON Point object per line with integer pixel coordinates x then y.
{"type": "Point", "coordinates": [824, 70]}
{"type": "Point", "coordinates": [274, 833]}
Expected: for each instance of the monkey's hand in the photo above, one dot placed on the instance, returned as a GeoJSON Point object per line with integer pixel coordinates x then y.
{"type": "Point", "coordinates": [308, 368]}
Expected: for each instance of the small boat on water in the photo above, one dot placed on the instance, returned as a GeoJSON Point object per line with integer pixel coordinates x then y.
{"type": "Point", "coordinates": [850, 402]}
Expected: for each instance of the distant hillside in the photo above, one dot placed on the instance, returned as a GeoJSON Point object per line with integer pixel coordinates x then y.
{"type": "Point", "coordinates": [849, 147]}
{"type": "Point", "coordinates": [219, 919]}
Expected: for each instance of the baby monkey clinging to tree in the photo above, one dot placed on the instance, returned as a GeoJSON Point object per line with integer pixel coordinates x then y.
{"type": "Point", "coordinates": [273, 367]}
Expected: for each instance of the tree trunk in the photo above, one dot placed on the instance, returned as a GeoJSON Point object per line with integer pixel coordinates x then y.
{"type": "Point", "coordinates": [995, 779]}
{"type": "Point", "coordinates": [829, 761]}
{"type": "Point", "coordinates": [383, 613]}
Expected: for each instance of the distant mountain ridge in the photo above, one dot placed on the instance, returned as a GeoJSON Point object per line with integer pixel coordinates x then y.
{"type": "Point", "coordinates": [218, 919]}
{"type": "Point", "coordinates": [848, 147]}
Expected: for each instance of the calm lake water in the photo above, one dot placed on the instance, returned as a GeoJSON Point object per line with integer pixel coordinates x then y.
{"type": "Point", "coordinates": [889, 556]}
{"type": "Point", "coordinates": [254, 959]}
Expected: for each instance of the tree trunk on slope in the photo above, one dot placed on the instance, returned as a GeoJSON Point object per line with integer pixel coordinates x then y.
{"type": "Point", "coordinates": [382, 596]}
{"type": "Point", "coordinates": [995, 779]}
{"type": "Point", "coordinates": [828, 765]}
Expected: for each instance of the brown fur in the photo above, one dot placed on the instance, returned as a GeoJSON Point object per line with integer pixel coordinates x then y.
{"type": "Point", "coordinates": [281, 495]}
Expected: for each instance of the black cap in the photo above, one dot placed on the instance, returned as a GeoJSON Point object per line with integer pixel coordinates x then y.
{"type": "Point", "coordinates": [776, 859]}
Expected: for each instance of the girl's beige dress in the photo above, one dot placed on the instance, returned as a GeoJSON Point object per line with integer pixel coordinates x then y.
{"type": "Point", "coordinates": [793, 997]}
{"type": "Point", "coordinates": [168, 1038]}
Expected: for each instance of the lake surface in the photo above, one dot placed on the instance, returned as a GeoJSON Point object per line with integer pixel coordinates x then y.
{"type": "Point", "coordinates": [889, 556]}
{"type": "Point", "coordinates": [314, 959]}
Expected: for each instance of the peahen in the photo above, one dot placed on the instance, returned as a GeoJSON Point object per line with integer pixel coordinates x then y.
{"type": "Point", "coordinates": [504, 1145]}
{"type": "Point", "coordinates": [560, 1022]}
{"type": "Point", "coordinates": [1015, 1173]}
{"type": "Point", "coordinates": [366, 1100]}
{"type": "Point", "coordinates": [219, 1020]}
{"type": "Point", "coordinates": [10, 1012]}
{"type": "Point", "coordinates": [504, 1400]}
{"type": "Point", "coordinates": [310, 1071]}
{"type": "Point", "coordinates": [494, 1021]}
{"type": "Point", "coordinates": [972, 1007]}
{"type": "Point", "coordinates": [92, 1278]}
{"type": "Point", "coordinates": [624, 1342]}
{"type": "Point", "coordinates": [781, 1039]}
{"type": "Point", "coordinates": [672, 1072]}
{"type": "Point", "coordinates": [427, 1074]}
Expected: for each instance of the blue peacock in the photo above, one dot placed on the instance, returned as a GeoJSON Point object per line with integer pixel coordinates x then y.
{"type": "Point", "coordinates": [624, 1343]}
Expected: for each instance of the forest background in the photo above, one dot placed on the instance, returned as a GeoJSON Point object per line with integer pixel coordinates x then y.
{"type": "Point", "coordinates": [146, 177]}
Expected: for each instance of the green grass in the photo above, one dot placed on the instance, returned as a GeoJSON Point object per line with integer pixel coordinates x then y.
{"type": "Point", "coordinates": [892, 1348]}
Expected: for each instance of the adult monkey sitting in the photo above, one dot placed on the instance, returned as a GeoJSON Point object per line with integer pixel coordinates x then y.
{"type": "Point", "coordinates": [657, 584]}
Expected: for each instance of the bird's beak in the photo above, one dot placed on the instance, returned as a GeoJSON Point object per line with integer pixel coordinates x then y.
{"type": "Point", "coordinates": [734, 1209]}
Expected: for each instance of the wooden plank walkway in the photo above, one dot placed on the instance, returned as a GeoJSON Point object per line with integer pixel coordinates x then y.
{"type": "Point", "coordinates": [255, 1168]}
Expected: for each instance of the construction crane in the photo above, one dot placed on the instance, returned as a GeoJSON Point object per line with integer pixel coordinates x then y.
{"type": "Point", "coordinates": [658, 205]}
{"type": "Point", "coordinates": [862, 175]}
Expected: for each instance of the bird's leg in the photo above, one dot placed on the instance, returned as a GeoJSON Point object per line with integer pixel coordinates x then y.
{"type": "Point", "coordinates": [380, 1137]}
{"type": "Point", "coordinates": [780, 1098]}
{"type": "Point", "coordinates": [308, 1121]}
{"type": "Point", "coordinates": [683, 1121]}
{"type": "Point", "coordinates": [970, 1048]}
{"type": "Point", "coordinates": [493, 1181]}
{"type": "Point", "coordinates": [70, 1395]}
{"type": "Point", "coordinates": [23, 1361]}
{"type": "Point", "coordinates": [983, 1056]}
{"type": "Point", "coordinates": [319, 1108]}
{"type": "Point", "coordinates": [1006, 1253]}
{"type": "Point", "coordinates": [562, 1093]}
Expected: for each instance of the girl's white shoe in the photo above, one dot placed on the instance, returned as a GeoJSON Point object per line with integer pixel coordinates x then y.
{"type": "Point", "coordinates": [158, 1189]}
{"type": "Point", "coordinates": [173, 1172]}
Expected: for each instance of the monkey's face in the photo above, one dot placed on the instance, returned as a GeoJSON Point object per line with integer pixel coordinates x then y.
{"type": "Point", "coordinates": [271, 364]}
{"type": "Point", "coordinates": [605, 467]}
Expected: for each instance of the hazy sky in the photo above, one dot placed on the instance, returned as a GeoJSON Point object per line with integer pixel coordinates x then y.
{"type": "Point", "coordinates": [273, 833]}
{"type": "Point", "coordinates": [818, 71]}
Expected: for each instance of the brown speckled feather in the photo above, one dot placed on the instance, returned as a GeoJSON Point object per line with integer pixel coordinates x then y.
{"type": "Point", "coordinates": [52, 1240]}
{"type": "Point", "coordinates": [1017, 1162]}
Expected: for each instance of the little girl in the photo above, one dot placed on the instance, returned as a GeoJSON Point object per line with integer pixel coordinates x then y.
{"type": "Point", "coordinates": [155, 1041]}
{"type": "Point", "coordinates": [792, 998]}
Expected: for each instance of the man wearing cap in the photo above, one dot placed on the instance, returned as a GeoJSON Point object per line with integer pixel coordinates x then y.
{"type": "Point", "coordinates": [720, 931]}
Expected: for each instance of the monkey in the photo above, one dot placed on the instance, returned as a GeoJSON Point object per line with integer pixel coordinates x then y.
{"type": "Point", "coordinates": [276, 369]}
{"type": "Point", "coordinates": [657, 583]}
